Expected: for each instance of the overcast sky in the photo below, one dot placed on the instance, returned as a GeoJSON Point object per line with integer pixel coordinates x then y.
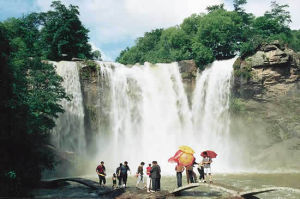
{"type": "Point", "coordinates": [115, 24]}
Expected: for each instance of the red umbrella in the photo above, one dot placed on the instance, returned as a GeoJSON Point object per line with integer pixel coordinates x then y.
{"type": "Point", "coordinates": [209, 153]}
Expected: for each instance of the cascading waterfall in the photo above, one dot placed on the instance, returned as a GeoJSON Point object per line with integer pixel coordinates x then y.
{"type": "Point", "coordinates": [68, 134]}
{"type": "Point", "coordinates": [149, 113]}
{"type": "Point", "coordinates": [211, 111]}
{"type": "Point", "coordinates": [145, 114]}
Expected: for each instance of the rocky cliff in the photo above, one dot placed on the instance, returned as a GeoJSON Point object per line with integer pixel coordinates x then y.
{"type": "Point", "coordinates": [266, 105]}
{"type": "Point", "coordinates": [271, 72]}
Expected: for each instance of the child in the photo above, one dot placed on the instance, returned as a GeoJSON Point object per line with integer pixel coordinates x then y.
{"type": "Point", "coordinates": [114, 179]}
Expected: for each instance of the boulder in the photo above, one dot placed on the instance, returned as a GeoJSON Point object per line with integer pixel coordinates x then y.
{"type": "Point", "coordinates": [188, 70]}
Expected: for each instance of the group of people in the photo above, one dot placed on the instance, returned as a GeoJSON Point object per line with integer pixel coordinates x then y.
{"type": "Point", "coordinates": [204, 169]}
{"type": "Point", "coordinates": [153, 175]}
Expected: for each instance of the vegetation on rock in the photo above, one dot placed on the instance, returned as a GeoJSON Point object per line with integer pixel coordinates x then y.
{"type": "Point", "coordinates": [219, 34]}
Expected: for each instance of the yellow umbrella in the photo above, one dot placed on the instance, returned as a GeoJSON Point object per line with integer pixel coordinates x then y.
{"type": "Point", "coordinates": [186, 149]}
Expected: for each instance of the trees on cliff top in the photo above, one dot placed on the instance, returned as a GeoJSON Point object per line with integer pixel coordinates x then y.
{"type": "Point", "coordinates": [219, 34]}
{"type": "Point", "coordinates": [63, 36]}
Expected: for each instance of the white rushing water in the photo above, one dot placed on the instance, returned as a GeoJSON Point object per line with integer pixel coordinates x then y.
{"type": "Point", "coordinates": [211, 112]}
{"type": "Point", "coordinates": [68, 134]}
{"type": "Point", "coordinates": [145, 114]}
{"type": "Point", "coordinates": [150, 116]}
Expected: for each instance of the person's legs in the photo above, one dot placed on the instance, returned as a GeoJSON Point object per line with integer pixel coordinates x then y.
{"type": "Point", "coordinates": [153, 184]}
{"type": "Point", "coordinates": [187, 177]}
{"type": "Point", "coordinates": [210, 176]}
{"type": "Point", "coordinates": [179, 179]}
{"type": "Point", "coordinates": [120, 181]}
{"type": "Point", "coordinates": [158, 184]}
{"type": "Point", "coordinates": [100, 181]}
{"type": "Point", "coordinates": [138, 180]}
{"type": "Point", "coordinates": [199, 171]}
{"type": "Point", "coordinates": [191, 177]}
{"type": "Point", "coordinates": [125, 179]}
{"type": "Point", "coordinates": [205, 174]}
{"type": "Point", "coordinates": [202, 173]}
{"type": "Point", "coordinates": [148, 183]}
{"type": "Point", "coordinates": [194, 177]}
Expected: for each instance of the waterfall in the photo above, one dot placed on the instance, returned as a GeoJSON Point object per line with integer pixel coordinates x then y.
{"type": "Point", "coordinates": [144, 114]}
{"type": "Point", "coordinates": [68, 134]}
{"type": "Point", "coordinates": [149, 113]}
{"type": "Point", "coordinates": [211, 111]}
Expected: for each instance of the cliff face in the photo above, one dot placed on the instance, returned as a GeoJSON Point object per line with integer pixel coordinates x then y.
{"type": "Point", "coordinates": [272, 71]}
{"type": "Point", "coordinates": [265, 104]}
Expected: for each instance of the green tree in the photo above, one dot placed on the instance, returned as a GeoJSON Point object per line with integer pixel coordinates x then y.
{"type": "Point", "coordinates": [215, 7]}
{"type": "Point", "coordinates": [63, 35]}
{"type": "Point", "coordinates": [237, 4]}
{"type": "Point", "coordinates": [220, 31]}
{"type": "Point", "coordinates": [30, 95]}
{"type": "Point", "coordinates": [96, 55]}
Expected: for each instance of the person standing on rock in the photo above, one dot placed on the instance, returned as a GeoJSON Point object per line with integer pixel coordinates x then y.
{"type": "Point", "coordinates": [124, 173]}
{"type": "Point", "coordinates": [140, 174]}
{"type": "Point", "coordinates": [148, 178]}
{"type": "Point", "coordinates": [206, 164]}
{"type": "Point", "coordinates": [118, 173]}
{"type": "Point", "coordinates": [179, 169]}
{"type": "Point", "coordinates": [155, 176]}
{"type": "Point", "coordinates": [101, 173]}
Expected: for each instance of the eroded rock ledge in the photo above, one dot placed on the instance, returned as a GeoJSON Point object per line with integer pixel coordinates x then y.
{"type": "Point", "coordinates": [273, 70]}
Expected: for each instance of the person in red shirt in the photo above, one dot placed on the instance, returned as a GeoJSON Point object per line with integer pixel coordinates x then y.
{"type": "Point", "coordinates": [148, 178]}
{"type": "Point", "coordinates": [101, 173]}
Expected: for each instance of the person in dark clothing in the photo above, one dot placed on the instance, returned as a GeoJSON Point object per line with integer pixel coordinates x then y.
{"type": "Point", "coordinates": [189, 174]}
{"type": "Point", "coordinates": [201, 171]}
{"type": "Point", "coordinates": [179, 169]}
{"type": "Point", "coordinates": [101, 173]}
{"type": "Point", "coordinates": [118, 173]}
{"type": "Point", "coordinates": [124, 170]}
{"type": "Point", "coordinates": [155, 176]}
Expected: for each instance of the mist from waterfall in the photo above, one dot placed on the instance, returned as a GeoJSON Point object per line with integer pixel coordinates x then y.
{"type": "Point", "coordinates": [150, 116]}
{"type": "Point", "coordinates": [145, 114]}
{"type": "Point", "coordinates": [69, 134]}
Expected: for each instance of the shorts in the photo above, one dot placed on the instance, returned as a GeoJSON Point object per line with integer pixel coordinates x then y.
{"type": "Point", "coordinates": [207, 170]}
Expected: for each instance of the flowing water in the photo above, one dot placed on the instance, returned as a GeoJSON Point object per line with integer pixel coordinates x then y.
{"type": "Point", "coordinates": [147, 115]}
{"type": "Point", "coordinates": [150, 116]}
{"type": "Point", "coordinates": [69, 134]}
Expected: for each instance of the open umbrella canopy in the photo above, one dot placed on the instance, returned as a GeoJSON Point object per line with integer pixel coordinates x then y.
{"type": "Point", "coordinates": [184, 156]}
{"type": "Point", "coordinates": [186, 149]}
{"type": "Point", "coordinates": [209, 153]}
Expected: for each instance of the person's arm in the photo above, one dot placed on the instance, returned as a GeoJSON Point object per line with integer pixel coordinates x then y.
{"type": "Point", "coordinates": [97, 171]}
